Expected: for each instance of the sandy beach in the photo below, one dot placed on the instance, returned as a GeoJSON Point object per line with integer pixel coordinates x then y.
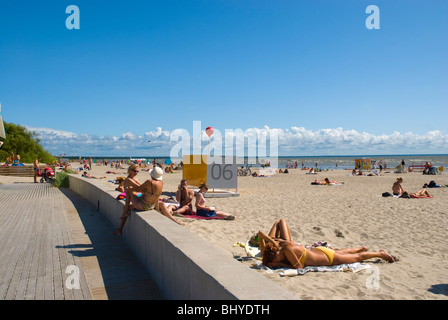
{"type": "Point", "coordinates": [350, 215]}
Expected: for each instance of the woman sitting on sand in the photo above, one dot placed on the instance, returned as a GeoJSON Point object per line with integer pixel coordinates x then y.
{"type": "Point", "coordinates": [184, 197]}
{"type": "Point", "coordinates": [204, 211]}
{"type": "Point", "coordinates": [278, 250]}
{"type": "Point", "coordinates": [120, 181]}
{"type": "Point", "coordinates": [397, 190]}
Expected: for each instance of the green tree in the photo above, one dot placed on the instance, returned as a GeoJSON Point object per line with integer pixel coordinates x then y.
{"type": "Point", "coordinates": [26, 143]}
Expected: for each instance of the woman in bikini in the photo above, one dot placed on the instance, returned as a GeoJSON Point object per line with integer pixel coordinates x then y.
{"type": "Point", "coordinates": [151, 190]}
{"type": "Point", "coordinates": [185, 197]}
{"type": "Point", "coordinates": [278, 250]}
{"type": "Point", "coordinates": [397, 189]}
{"type": "Point", "coordinates": [204, 211]}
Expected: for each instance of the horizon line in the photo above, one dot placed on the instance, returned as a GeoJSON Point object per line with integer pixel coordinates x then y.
{"type": "Point", "coordinates": [291, 156]}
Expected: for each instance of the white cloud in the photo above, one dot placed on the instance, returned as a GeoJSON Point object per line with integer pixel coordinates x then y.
{"type": "Point", "coordinates": [291, 141]}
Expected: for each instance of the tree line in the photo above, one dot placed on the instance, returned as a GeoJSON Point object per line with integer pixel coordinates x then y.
{"type": "Point", "coordinates": [26, 143]}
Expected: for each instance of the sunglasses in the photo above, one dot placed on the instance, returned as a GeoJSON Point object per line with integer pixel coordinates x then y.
{"type": "Point", "coordinates": [136, 171]}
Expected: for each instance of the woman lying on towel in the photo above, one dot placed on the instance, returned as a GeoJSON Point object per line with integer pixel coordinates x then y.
{"type": "Point", "coordinates": [86, 175]}
{"type": "Point", "coordinates": [327, 181]}
{"type": "Point", "coordinates": [278, 250]}
{"type": "Point", "coordinates": [421, 194]}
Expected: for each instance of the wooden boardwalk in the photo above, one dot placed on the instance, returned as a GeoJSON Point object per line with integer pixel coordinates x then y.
{"type": "Point", "coordinates": [54, 245]}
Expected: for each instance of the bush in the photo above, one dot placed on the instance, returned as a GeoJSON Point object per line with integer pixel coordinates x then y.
{"type": "Point", "coordinates": [21, 141]}
{"type": "Point", "coordinates": [61, 180]}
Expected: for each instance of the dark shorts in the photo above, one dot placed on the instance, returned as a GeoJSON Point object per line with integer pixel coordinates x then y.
{"type": "Point", "coordinates": [206, 213]}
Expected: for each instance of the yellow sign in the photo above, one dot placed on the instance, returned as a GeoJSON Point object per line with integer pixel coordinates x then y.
{"type": "Point", "coordinates": [195, 169]}
{"type": "Point", "coordinates": [362, 164]}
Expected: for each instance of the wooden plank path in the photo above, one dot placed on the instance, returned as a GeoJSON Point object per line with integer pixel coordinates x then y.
{"type": "Point", "coordinates": [44, 230]}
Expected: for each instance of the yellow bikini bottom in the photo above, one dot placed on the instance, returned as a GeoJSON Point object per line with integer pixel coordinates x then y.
{"type": "Point", "coordinates": [328, 252]}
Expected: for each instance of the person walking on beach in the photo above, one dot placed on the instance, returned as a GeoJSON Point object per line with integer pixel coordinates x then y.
{"type": "Point", "coordinates": [36, 169]}
{"type": "Point", "coordinates": [279, 251]}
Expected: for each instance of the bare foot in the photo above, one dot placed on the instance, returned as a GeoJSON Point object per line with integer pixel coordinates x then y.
{"type": "Point", "coordinates": [387, 256]}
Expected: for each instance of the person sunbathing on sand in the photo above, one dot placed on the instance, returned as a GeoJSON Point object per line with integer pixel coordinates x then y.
{"type": "Point", "coordinates": [421, 193]}
{"type": "Point", "coordinates": [204, 211]}
{"type": "Point", "coordinates": [278, 250]}
{"type": "Point", "coordinates": [328, 182]}
{"type": "Point", "coordinates": [86, 175]}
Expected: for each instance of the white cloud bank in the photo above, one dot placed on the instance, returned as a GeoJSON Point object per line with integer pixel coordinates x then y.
{"type": "Point", "coordinates": [294, 141]}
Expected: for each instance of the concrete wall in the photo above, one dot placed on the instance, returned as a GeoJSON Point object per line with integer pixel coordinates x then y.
{"type": "Point", "coordinates": [183, 265]}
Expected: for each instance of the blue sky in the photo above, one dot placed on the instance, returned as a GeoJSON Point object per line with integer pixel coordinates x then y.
{"type": "Point", "coordinates": [137, 69]}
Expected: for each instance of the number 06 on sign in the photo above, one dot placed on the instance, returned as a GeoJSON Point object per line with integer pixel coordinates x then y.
{"type": "Point", "coordinates": [218, 173]}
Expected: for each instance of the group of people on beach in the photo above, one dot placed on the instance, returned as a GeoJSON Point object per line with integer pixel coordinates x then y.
{"type": "Point", "coordinates": [397, 190]}
{"type": "Point", "coordinates": [277, 247]}
{"type": "Point", "coordinates": [146, 196]}
{"type": "Point", "coordinates": [13, 160]}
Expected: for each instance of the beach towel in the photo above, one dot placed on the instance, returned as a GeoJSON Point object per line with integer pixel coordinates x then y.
{"type": "Point", "coordinates": [412, 197]}
{"type": "Point", "coordinates": [415, 197]}
{"type": "Point", "coordinates": [327, 184]}
{"type": "Point", "coordinates": [122, 196]}
{"type": "Point", "coordinates": [353, 267]}
{"type": "Point", "coordinates": [195, 216]}
{"type": "Point", "coordinates": [255, 252]}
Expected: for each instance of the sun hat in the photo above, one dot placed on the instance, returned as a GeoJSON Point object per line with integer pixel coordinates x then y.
{"type": "Point", "coordinates": [156, 173]}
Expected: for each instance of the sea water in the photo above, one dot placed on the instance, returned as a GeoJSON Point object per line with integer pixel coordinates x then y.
{"type": "Point", "coordinates": [321, 162]}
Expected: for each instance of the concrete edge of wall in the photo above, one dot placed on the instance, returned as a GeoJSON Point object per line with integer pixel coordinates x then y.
{"type": "Point", "coordinates": [184, 266]}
